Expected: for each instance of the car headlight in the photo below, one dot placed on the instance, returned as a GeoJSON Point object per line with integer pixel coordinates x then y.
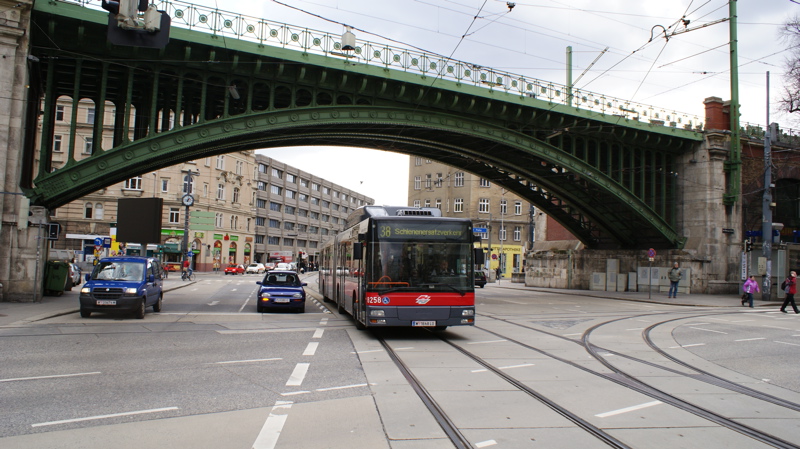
{"type": "Point", "coordinates": [86, 290]}
{"type": "Point", "coordinates": [297, 295]}
{"type": "Point", "coordinates": [132, 291]}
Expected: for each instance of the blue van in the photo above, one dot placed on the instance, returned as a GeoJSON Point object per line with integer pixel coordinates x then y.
{"type": "Point", "coordinates": [123, 284]}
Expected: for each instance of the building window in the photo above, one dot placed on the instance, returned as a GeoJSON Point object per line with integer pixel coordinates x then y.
{"type": "Point", "coordinates": [87, 210]}
{"type": "Point", "coordinates": [289, 210]}
{"type": "Point", "coordinates": [88, 143]}
{"type": "Point", "coordinates": [274, 240]}
{"type": "Point", "coordinates": [326, 218]}
{"type": "Point", "coordinates": [439, 180]}
{"type": "Point", "coordinates": [274, 224]}
{"type": "Point", "coordinates": [458, 205]}
{"type": "Point", "coordinates": [313, 229]}
{"type": "Point", "coordinates": [90, 112]}
{"type": "Point", "coordinates": [288, 242]}
{"type": "Point", "coordinates": [291, 194]}
{"type": "Point", "coordinates": [235, 194]}
{"type": "Point", "coordinates": [517, 233]}
{"type": "Point", "coordinates": [188, 185]}
{"type": "Point", "coordinates": [326, 190]}
{"type": "Point", "coordinates": [60, 113]}
{"type": "Point", "coordinates": [218, 219]}
{"type": "Point", "coordinates": [459, 182]}
{"type": "Point", "coordinates": [315, 186]}
{"type": "Point", "coordinates": [335, 206]}
{"type": "Point", "coordinates": [439, 203]}
{"type": "Point", "coordinates": [164, 185]}
{"type": "Point", "coordinates": [326, 204]}
{"type": "Point", "coordinates": [174, 215]}
{"type": "Point", "coordinates": [275, 207]}
{"type": "Point", "coordinates": [277, 173]}
{"type": "Point", "coordinates": [259, 239]}
{"type": "Point", "coordinates": [323, 231]}
{"type": "Point", "coordinates": [57, 143]}
{"type": "Point", "coordinates": [304, 197]}
{"type": "Point", "coordinates": [428, 180]}
{"type": "Point", "coordinates": [234, 222]}
{"type": "Point", "coordinates": [313, 215]}
{"type": "Point", "coordinates": [205, 190]}
{"type": "Point", "coordinates": [303, 182]}
{"type": "Point", "coordinates": [98, 211]}
{"type": "Point", "coordinates": [416, 203]}
{"type": "Point", "coordinates": [503, 207]}
{"type": "Point", "coordinates": [302, 213]}
{"type": "Point", "coordinates": [483, 205]}
{"type": "Point", "coordinates": [417, 161]}
{"type": "Point", "coordinates": [289, 226]}
{"type": "Point", "coordinates": [261, 204]}
{"type": "Point", "coordinates": [260, 221]}
{"type": "Point", "coordinates": [315, 201]}
{"type": "Point", "coordinates": [485, 183]}
{"type": "Point", "coordinates": [220, 191]}
{"type": "Point", "coordinates": [427, 203]}
{"type": "Point", "coordinates": [517, 208]}
{"type": "Point", "coordinates": [277, 190]}
{"type": "Point", "coordinates": [291, 178]}
{"type": "Point", "coordinates": [417, 183]}
{"type": "Point", "coordinates": [221, 162]}
{"type": "Point", "coordinates": [134, 183]}
{"type": "Point", "coordinates": [502, 232]}
{"type": "Point", "coordinates": [262, 168]}
{"type": "Point", "coordinates": [239, 167]}
{"type": "Point", "coordinates": [484, 235]}
{"type": "Point", "coordinates": [262, 186]}
{"type": "Point", "coordinates": [302, 227]}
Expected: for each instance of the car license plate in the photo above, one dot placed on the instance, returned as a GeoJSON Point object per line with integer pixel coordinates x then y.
{"type": "Point", "coordinates": [106, 302]}
{"type": "Point", "coordinates": [281, 299]}
{"type": "Point", "coordinates": [423, 323]}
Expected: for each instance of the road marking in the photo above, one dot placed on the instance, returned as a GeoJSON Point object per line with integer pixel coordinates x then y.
{"type": "Point", "coordinates": [255, 291]}
{"type": "Point", "coordinates": [627, 409]}
{"type": "Point", "coordinates": [248, 361]}
{"type": "Point", "coordinates": [55, 376]}
{"type": "Point", "coordinates": [484, 342]}
{"type": "Point", "coordinates": [635, 329]}
{"type": "Point", "coordinates": [504, 367]}
{"type": "Point", "coordinates": [114, 415]}
{"type": "Point", "coordinates": [709, 330]}
{"type": "Point", "coordinates": [751, 339]}
{"type": "Point", "coordinates": [719, 319]}
{"type": "Point", "coordinates": [318, 333]}
{"type": "Point", "coordinates": [486, 443]}
{"type": "Point", "coordinates": [268, 437]}
{"type": "Point", "coordinates": [323, 322]}
{"type": "Point", "coordinates": [403, 349]}
{"type": "Point", "coordinates": [694, 324]}
{"type": "Point", "coordinates": [687, 346]}
{"type": "Point", "coordinates": [572, 335]}
{"type": "Point", "coordinates": [213, 303]}
{"type": "Point", "coordinates": [785, 343]}
{"type": "Point", "coordinates": [295, 393]}
{"type": "Point", "coordinates": [311, 349]}
{"type": "Point", "coordinates": [299, 373]}
{"type": "Point", "coordinates": [365, 352]}
{"type": "Point", "coordinates": [777, 327]}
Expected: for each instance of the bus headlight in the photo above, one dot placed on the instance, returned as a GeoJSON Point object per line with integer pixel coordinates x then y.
{"type": "Point", "coordinates": [377, 312]}
{"type": "Point", "coordinates": [468, 312]}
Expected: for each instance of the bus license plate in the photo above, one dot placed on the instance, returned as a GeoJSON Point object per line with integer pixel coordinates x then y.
{"type": "Point", "coordinates": [423, 323]}
{"type": "Point", "coordinates": [281, 299]}
{"type": "Point", "coordinates": [106, 302]}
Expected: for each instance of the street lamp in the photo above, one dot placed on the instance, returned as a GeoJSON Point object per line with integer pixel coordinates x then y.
{"type": "Point", "coordinates": [188, 201]}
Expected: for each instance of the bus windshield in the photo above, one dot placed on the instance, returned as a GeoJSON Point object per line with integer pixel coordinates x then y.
{"type": "Point", "coordinates": [414, 265]}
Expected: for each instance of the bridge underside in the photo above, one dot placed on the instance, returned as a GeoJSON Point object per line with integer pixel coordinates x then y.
{"type": "Point", "coordinates": [612, 186]}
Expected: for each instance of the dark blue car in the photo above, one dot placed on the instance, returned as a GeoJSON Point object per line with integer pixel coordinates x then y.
{"type": "Point", "coordinates": [281, 289]}
{"type": "Point", "coordinates": [123, 284]}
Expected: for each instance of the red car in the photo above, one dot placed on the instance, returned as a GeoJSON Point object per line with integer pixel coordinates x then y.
{"type": "Point", "coordinates": [234, 269]}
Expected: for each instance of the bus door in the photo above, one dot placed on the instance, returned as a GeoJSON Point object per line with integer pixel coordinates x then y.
{"type": "Point", "coordinates": [355, 265]}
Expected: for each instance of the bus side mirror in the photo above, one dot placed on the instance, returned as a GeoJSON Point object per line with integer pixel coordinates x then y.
{"type": "Point", "coordinates": [358, 251]}
{"type": "Point", "coordinates": [479, 256]}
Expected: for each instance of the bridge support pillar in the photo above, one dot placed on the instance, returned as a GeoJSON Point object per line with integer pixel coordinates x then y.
{"type": "Point", "coordinates": [17, 240]}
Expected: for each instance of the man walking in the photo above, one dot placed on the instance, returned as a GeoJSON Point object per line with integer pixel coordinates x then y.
{"type": "Point", "coordinates": [674, 277]}
{"type": "Point", "coordinates": [791, 290]}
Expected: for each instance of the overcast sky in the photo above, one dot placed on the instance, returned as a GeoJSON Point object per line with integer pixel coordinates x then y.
{"type": "Point", "coordinates": [530, 39]}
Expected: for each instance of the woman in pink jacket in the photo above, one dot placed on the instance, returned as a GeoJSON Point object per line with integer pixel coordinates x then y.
{"type": "Point", "coordinates": [750, 286]}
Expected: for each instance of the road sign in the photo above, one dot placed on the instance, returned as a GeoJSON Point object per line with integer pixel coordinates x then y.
{"type": "Point", "coordinates": [190, 254]}
{"type": "Point", "coordinates": [97, 248]}
{"type": "Point", "coordinates": [98, 241]}
{"type": "Point", "coordinates": [107, 242]}
{"type": "Point", "coordinates": [479, 230]}
{"type": "Point", "coordinates": [651, 253]}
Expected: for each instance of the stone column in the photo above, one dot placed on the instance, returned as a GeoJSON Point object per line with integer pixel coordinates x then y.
{"type": "Point", "coordinates": [17, 241]}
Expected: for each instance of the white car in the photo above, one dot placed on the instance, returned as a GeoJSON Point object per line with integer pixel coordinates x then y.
{"type": "Point", "coordinates": [255, 268]}
{"type": "Point", "coordinates": [284, 266]}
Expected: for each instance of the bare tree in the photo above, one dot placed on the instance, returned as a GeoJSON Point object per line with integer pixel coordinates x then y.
{"type": "Point", "coordinates": [790, 101]}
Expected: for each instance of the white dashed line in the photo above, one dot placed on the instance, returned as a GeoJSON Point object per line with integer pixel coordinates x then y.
{"type": "Point", "coordinates": [55, 376]}
{"type": "Point", "coordinates": [635, 329]}
{"type": "Point", "coordinates": [299, 373]}
{"type": "Point", "coordinates": [751, 339]}
{"type": "Point", "coordinates": [627, 409]}
{"type": "Point", "coordinates": [268, 437]}
{"type": "Point", "coordinates": [311, 349]}
{"type": "Point", "coordinates": [709, 330]}
{"type": "Point", "coordinates": [504, 367]}
{"type": "Point", "coordinates": [114, 415]}
{"type": "Point", "coordinates": [318, 333]}
{"type": "Point", "coordinates": [785, 343]}
{"type": "Point", "coordinates": [687, 346]}
{"type": "Point", "coordinates": [345, 387]}
{"type": "Point", "coordinates": [486, 443]}
{"type": "Point", "coordinates": [367, 352]}
{"type": "Point", "coordinates": [248, 361]}
{"type": "Point", "coordinates": [484, 342]}
{"type": "Point", "coordinates": [777, 327]}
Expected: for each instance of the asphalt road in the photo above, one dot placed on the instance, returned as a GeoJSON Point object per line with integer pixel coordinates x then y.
{"type": "Point", "coordinates": [208, 371]}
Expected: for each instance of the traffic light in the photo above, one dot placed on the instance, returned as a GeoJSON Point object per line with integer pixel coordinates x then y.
{"type": "Point", "coordinates": [748, 245]}
{"type": "Point", "coordinates": [53, 229]}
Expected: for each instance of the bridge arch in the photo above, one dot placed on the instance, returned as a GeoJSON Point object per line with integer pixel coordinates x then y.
{"type": "Point", "coordinates": [599, 209]}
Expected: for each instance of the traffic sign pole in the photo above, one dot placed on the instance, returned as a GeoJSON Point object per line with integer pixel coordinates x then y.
{"type": "Point", "coordinates": [651, 254]}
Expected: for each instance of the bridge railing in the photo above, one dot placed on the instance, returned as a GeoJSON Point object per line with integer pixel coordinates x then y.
{"type": "Point", "coordinates": [265, 32]}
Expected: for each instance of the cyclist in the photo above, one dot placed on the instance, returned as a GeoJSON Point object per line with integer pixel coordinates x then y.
{"type": "Point", "coordinates": [187, 270]}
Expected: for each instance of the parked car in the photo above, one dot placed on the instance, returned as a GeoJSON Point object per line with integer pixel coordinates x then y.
{"type": "Point", "coordinates": [281, 289]}
{"type": "Point", "coordinates": [123, 284]}
{"type": "Point", "coordinates": [234, 269]}
{"type": "Point", "coordinates": [480, 278]}
{"type": "Point", "coordinates": [255, 268]}
{"type": "Point", "coordinates": [75, 274]}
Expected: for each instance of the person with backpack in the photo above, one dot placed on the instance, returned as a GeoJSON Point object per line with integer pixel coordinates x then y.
{"type": "Point", "coordinates": [791, 290]}
{"type": "Point", "coordinates": [749, 287]}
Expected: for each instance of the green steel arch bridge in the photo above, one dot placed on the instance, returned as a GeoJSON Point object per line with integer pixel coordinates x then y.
{"type": "Point", "coordinates": [602, 167]}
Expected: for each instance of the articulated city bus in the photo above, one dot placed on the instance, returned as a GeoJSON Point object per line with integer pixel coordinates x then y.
{"type": "Point", "coordinates": [401, 266]}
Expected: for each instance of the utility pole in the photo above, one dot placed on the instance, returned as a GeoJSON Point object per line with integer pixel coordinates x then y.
{"type": "Point", "coordinates": [766, 208]}
{"type": "Point", "coordinates": [734, 165]}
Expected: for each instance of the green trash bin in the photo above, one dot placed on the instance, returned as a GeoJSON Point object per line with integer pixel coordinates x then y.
{"type": "Point", "coordinates": [55, 278]}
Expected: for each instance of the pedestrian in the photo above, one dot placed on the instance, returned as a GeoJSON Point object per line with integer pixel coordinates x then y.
{"type": "Point", "coordinates": [791, 290]}
{"type": "Point", "coordinates": [750, 286]}
{"type": "Point", "coordinates": [674, 277]}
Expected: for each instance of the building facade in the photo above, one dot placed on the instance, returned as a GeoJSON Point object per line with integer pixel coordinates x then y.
{"type": "Point", "coordinates": [506, 218]}
{"type": "Point", "coordinates": [247, 207]}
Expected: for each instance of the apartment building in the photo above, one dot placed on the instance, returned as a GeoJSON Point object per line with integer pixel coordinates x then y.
{"type": "Point", "coordinates": [505, 216]}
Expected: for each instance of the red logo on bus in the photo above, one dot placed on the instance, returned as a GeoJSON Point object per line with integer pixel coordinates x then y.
{"type": "Point", "coordinates": [423, 299]}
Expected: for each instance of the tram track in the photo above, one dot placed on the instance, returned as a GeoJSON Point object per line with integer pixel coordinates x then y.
{"type": "Point", "coordinates": [628, 380]}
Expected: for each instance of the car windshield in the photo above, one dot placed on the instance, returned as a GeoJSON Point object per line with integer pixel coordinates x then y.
{"type": "Point", "coordinates": [281, 280]}
{"type": "Point", "coordinates": [119, 271]}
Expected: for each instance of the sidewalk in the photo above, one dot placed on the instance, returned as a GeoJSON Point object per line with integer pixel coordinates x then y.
{"type": "Point", "coordinates": [694, 300]}
{"type": "Point", "coordinates": [22, 313]}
